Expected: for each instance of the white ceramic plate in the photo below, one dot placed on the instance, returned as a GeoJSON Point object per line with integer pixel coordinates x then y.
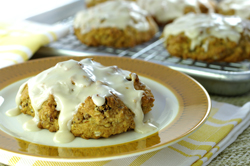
{"type": "Point", "coordinates": [181, 106]}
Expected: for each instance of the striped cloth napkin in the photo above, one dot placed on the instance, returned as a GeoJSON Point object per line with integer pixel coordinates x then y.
{"type": "Point", "coordinates": [20, 40]}
{"type": "Point", "coordinates": [223, 126]}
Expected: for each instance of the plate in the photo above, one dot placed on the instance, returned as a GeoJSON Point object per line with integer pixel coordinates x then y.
{"type": "Point", "coordinates": [181, 106]}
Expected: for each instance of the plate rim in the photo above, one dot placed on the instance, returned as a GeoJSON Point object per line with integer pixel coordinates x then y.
{"type": "Point", "coordinates": [184, 135]}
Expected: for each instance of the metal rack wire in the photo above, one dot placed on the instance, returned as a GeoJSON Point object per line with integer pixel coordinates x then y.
{"type": "Point", "coordinates": [219, 78]}
{"type": "Point", "coordinates": [149, 51]}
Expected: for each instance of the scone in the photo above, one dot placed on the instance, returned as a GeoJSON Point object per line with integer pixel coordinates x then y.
{"type": "Point", "coordinates": [208, 38]}
{"type": "Point", "coordinates": [165, 11]}
{"type": "Point", "coordinates": [240, 8]}
{"type": "Point", "coordinates": [90, 3]}
{"type": "Point", "coordinates": [114, 24]}
{"type": "Point", "coordinates": [85, 99]}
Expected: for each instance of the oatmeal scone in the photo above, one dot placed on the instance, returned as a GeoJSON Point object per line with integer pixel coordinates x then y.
{"type": "Point", "coordinates": [114, 24]}
{"type": "Point", "coordinates": [90, 3]}
{"type": "Point", "coordinates": [91, 119]}
{"type": "Point", "coordinates": [165, 11]}
{"type": "Point", "coordinates": [239, 8]}
{"type": "Point", "coordinates": [208, 38]}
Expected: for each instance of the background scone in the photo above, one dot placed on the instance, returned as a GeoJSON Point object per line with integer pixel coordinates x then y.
{"type": "Point", "coordinates": [85, 99]}
{"type": "Point", "coordinates": [115, 24]}
{"type": "Point", "coordinates": [240, 8]}
{"type": "Point", "coordinates": [90, 3]}
{"type": "Point", "coordinates": [165, 11]}
{"type": "Point", "coordinates": [208, 38]}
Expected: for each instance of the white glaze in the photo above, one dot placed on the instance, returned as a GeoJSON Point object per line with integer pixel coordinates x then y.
{"type": "Point", "coordinates": [71, 82]}
{"type": "Point", "coordinates": [241, 7]}
{"type": "Point", "coordinates": [13, 112]}
{"type": "Point", "coordinates": [196, 26]}
{"type": "Point", "coordinates": [119, 14]}
{"type": "Point", "coordinates": [16, 111]}
{"type": "Point", "coordinates": [31, 125]}
{"type": "Point", "coordinates": [168, 10]}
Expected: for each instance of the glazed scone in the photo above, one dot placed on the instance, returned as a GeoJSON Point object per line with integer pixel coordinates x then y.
{"type": "Point", "coordinates": [165, 11]}
{"type": "Point", "coordinates": [90, 3]}
{"type": "Point", "coordinates": [240, 8]}
{"type": "Point", "coordinates": [208, 38]}
{"type": "Point", "coordinates": [85, 99]}
{"type": "Point", "coordinates": [114, 24]}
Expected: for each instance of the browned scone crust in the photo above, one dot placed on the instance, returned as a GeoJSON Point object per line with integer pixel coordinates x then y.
{"type": "Point", "coordinates": [219, 50]}
{"type": "Point", "coordinates": [91, 121]}
{"type": "Point", "coordinates": [114, 37]}
{"type": "Point", "coordinates": [96, 2]}
{"type": "Point", "coordinates": [223, 12]}
{"type": "Point", "coordinates": [205, 9]}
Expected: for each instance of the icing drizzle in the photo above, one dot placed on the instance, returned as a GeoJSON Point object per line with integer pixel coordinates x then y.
{"type": "Point", "coordinates": [198, 27]}
{"type": "Point", "coordinates": [119, 14]}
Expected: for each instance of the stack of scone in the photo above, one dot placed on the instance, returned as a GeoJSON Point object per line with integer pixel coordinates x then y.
{"type": "Point", "coordinates": [201, 35]}
{"type": "Point", "coordinates": [124, 23]}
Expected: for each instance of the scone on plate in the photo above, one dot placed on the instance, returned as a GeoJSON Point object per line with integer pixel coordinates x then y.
{"type": "Point", "coordinates": [85, 99]}
{"type": "Point", "coordinates": [240, 8]}
{"type": "Point", "coordinates": [208, 38]}
{"type": "Point", "coordinates": [114, 24]}
{"type": "Point", "coordinates": [90, 3]}
{"type": "Point", "coordinates": [165, 11]}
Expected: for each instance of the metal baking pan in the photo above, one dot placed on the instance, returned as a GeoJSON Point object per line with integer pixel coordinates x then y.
{"type": "Point", "coordinates": [228, 79]}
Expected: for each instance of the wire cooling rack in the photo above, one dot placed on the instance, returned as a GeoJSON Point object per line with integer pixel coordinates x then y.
{"type": "Point", "coordinates": [218, 77]}
{"type": "Point", "coordinates": [149, 51]}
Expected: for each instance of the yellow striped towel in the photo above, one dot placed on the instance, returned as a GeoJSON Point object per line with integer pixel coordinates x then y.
{"type": "Point", "coordinates": [223, 126]}
{"type": "Point", "coordinates": [20, 40]}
